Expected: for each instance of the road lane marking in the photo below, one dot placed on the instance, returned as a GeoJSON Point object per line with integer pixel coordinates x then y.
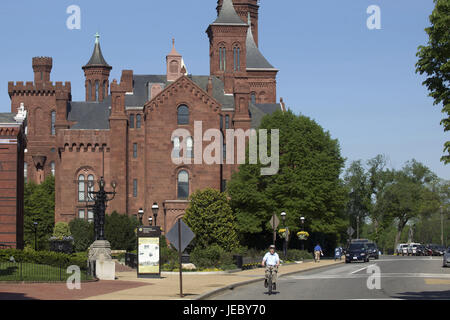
{"type": "Point", "coordinates": [437, 281]}
{"type": "Point", "coordinates": [382, 275]}
{"type": "Point", "coordinates": [362, 269]}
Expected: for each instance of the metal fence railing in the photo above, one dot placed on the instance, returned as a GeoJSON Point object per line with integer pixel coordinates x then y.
{"type": "Point", "coordinates": [32, 272]}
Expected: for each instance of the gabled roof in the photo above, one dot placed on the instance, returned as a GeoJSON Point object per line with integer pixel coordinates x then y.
{"type": "Point", "coordinates": [228, 15]}
{"type": "Point", "coordinates": [255, 59]}
{"type": "Point", "coordinates": [97, 58]}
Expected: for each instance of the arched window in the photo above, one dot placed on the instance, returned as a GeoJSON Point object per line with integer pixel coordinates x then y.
{"type": "Point", "coordinates": [237, 58]}
{"type": "Point", "coordinates": [253, 97]}
{"type": "Point", "coordinates": [89, 90]}
{"type": "Point", "coordinates": [138, 121]}
{"type": "Point", "coordinates": [176, 148]}
{"type": "Point", "coordinates": [97, 90]}
{"type": "Point", "coordinates": [183, 185]}
{"type": "Point", "coordinates": [52, 167]}
{"type": "Point", "coordinates": [81, 188]}
{"type": "Point", "coordinates": [227, 122]}
{"type": "Point", "coordinates": [223, 58]}
{"type": "Point", "coordinates": [53, 120]}
{"type": "Point", "coordinates": [183, 114]}
{"type": "Point", "coordinates": [132, 121]}
{"type": "Point", "coordinates": [90, 188]}
{"type": "Point", "coordinates": [190, 147]}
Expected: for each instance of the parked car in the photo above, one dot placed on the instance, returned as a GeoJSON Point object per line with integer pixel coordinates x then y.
{"type": "Point", "coordinates": [427, 250]}
{"type": "Point", "coordinates": [446, 259]}
{"type": "Point", "coordinates": [357, 251]}
{"type": "Point", "coordinates": [437, 250]}
{"type": "Point", "coordinates": [420, 250]}
{"type": "Point", "coordinates": [373, 251]}
{"type": "Point", "coordinates": [412, 249]}
{"type": "Point", "coordinates": [402, 249]}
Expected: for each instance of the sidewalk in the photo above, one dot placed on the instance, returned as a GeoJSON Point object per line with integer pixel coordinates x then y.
{"type": "Point", "coordinates": [195, 286]}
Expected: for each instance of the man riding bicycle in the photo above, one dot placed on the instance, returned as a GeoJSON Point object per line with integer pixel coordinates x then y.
{"type": "Point", "coordinates": [271, 259]}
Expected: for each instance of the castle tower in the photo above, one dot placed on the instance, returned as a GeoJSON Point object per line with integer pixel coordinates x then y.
{"type": "Point", "coordinates": [42, 67]}
{"type": "Point", "coordinates": [97, 73]}
{"type": "Point", "coordinates": [243, 8]}
{"type": "Point", "coordinates": [227, 38]}
{"type": "Point", "coordinates": [175, 64]}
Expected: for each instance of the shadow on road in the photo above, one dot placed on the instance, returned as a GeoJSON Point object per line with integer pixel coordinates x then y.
{"type": "Point", "coordinates": [14, 296]}
{"type": "Point", "coordinates": [425, 295]}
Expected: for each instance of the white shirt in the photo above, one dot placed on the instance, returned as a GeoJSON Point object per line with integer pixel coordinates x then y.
{"type": "Point", "coordinates": [271, 259]}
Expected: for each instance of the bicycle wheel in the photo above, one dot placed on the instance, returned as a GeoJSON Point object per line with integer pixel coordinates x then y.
{"type": "Point", "coordinates": [270, 285]}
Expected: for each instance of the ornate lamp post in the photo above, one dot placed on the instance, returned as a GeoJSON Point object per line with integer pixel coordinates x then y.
{"type": "Point", "coordinates": [155, 210]}
{"type": "Point", "coordinates": [302, 219]}
{"type": "Point", "coordinates": [141, 216]}
{"type": "Point", "coordinates": [283, 216]}
{"type": "Point", "coordinates": [101, 199]}
{"type": "Point", "coordinates": [150, 221]}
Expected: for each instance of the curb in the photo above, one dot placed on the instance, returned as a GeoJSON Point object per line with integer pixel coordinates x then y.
{"type": "Point", "coordinates": [240, 284]}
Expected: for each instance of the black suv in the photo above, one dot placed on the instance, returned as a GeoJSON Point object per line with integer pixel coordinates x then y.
{"type": "Point", "coordinates": [357, 251]}
{"type": "Point", "coordinates": [373, 250]}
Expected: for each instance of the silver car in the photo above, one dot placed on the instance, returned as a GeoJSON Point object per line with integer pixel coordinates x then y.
{"type": "Point", "coordinates": [446, 262]}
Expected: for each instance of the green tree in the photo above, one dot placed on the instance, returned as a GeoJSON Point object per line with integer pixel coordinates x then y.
{"type": "Point", "coordinates": [61, 230]}
{"type": "Point", "coordinates": [39, 206]}
{"type": "Point", "coordinates": [409, 196]}
{"type": "Point", "coordinates": [83, 234]}
{"type": "Point", "coordinates": [307, 183]}
{"type": "Point", "coordinates": [210, 217]}
{"type": "Point", "coordinates": [434, 62]}
{"type": "Point", "coordinates": [120, 231]}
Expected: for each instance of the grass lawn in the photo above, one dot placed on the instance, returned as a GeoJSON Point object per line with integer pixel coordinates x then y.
{"type": "Point", "coordinates": [35, 272]}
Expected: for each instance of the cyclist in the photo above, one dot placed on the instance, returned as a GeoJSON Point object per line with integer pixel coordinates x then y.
{"type": "Point", "coordinates": [271, 259]}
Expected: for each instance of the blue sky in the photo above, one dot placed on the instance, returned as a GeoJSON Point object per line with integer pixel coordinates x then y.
{"type": "Point", "coordinates": [357, 83]}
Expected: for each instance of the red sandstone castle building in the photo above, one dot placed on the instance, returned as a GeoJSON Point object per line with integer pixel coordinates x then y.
{"type": "Point", "coordinates": [123, 131]}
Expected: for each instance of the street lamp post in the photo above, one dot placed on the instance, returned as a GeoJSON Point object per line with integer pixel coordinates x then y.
{"type": "Point", "coordinates": [283, 216]}
{"type": "Point", "coordinates": [150, 221]}
{"type": "Point", "coordinates": [155, 210]}
{"type": "Point", "coordinates": [302, 219]}
{"type": "Point", "coordinates": [35, 235]}
{"type": "Point", "coordinates": [141, 216]}
{"type": "Point", "coordinates": [101, 199]}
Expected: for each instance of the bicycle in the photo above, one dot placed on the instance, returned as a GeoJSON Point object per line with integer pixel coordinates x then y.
{"type": "Point", "coordinates": [270, 283]}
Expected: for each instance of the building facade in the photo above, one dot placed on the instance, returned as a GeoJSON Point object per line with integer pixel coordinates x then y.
{"type": "Point", "coordinates": [12, 145]}
{"type": "Point", "coordinates": [123, 130]}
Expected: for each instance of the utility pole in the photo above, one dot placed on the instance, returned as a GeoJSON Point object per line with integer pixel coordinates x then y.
{"type": "Point", "coordinates": [442, 225]}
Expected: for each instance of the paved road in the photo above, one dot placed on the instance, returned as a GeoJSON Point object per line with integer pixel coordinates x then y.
{"type": "Point", "coordinates": [401, 278]}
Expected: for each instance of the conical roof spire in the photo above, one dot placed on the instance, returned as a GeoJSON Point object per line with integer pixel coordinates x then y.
{"type": "Point", "coordinates": [228, 15]}
{"type": "Point", "coordinates": [97, 56]}
{"type": "Point", "coordinates": [255, 59]}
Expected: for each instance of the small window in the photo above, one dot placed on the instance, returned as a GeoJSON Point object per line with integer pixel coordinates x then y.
{"type": "Point", "coordinates": [135, 150]}
{"type": "Point", "coordinates": [138, 121]}
{"type": "Point", "coordinates": [81, 214]}
{"type": "Point", "coordinates": [132, 121]}
{"type": "Point", "coordinates": [237, 58]}
{"type": "Point", "coordinates": [222, 58]}
{"type": "Point", "coordinates": [90, 189]}
{"type": "Point", "coordinates": [253, 97]}
{"type": "Point", "coordinates": [227, 122]}
{"type": "Point", "coordinates": [52, 168]}
{"type": "Point", "coordinates": [135, 188]}
{"type": "Point", "coordinates": [97, 88]}
{"type": "Point", "coordinates": [25, 172]}
{"type": "Point", "coordinates": [183, 185]}
{"type": "Point", "coordinates": [90, 215]}
{"type": "Point", "coordinates": [53, 115]}
{"type": "Point", "coordinates": [221, 122]}
{"type": "Point", "coordinates": [183, 115]}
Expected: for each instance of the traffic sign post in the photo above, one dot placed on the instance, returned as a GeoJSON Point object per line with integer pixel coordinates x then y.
{"type": "Point", "coordinates": [180, 236]}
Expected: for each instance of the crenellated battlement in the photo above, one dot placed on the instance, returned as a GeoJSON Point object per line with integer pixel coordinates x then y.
{"type": "Point", "coordinates": [38, 88]}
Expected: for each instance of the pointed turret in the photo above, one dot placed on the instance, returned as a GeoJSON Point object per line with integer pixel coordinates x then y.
{"type": "Point", "coordinates": [175, 64]}
{"type": "Point", "coordinates": [97, 72]}
{"type": "Point", "coordinates": [227, 15]}
{"type": "Point", "coordinates": [255, 59]}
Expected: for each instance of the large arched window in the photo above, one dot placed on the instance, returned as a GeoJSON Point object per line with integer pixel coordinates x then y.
{"type": "Point", "coordinates": [183, 114]}
{"type": "Point", "coordinates": [237, 58]}
{"type": "Point", "coordinates": [183, 185]}
{"type": "Point", "coordinates": [81, 188]}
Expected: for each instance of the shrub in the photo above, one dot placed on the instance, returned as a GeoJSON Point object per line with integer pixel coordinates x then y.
{"type": "Point", "coordinates": [120, 231]}
{"type": "Point", "coordinates": [212, 257]}
{"type": "Point", "coordinates": [297, 255]}
{"type": "Point", "coordinates": [61, 230]}
{"type": "Point", "coordinates": [83, 234]}
{"type": "Point", "coordinates": [169, 255]}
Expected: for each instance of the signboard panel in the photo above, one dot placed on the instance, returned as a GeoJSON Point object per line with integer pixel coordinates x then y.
{"type": "Point", "coordinates": [149, 262]}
